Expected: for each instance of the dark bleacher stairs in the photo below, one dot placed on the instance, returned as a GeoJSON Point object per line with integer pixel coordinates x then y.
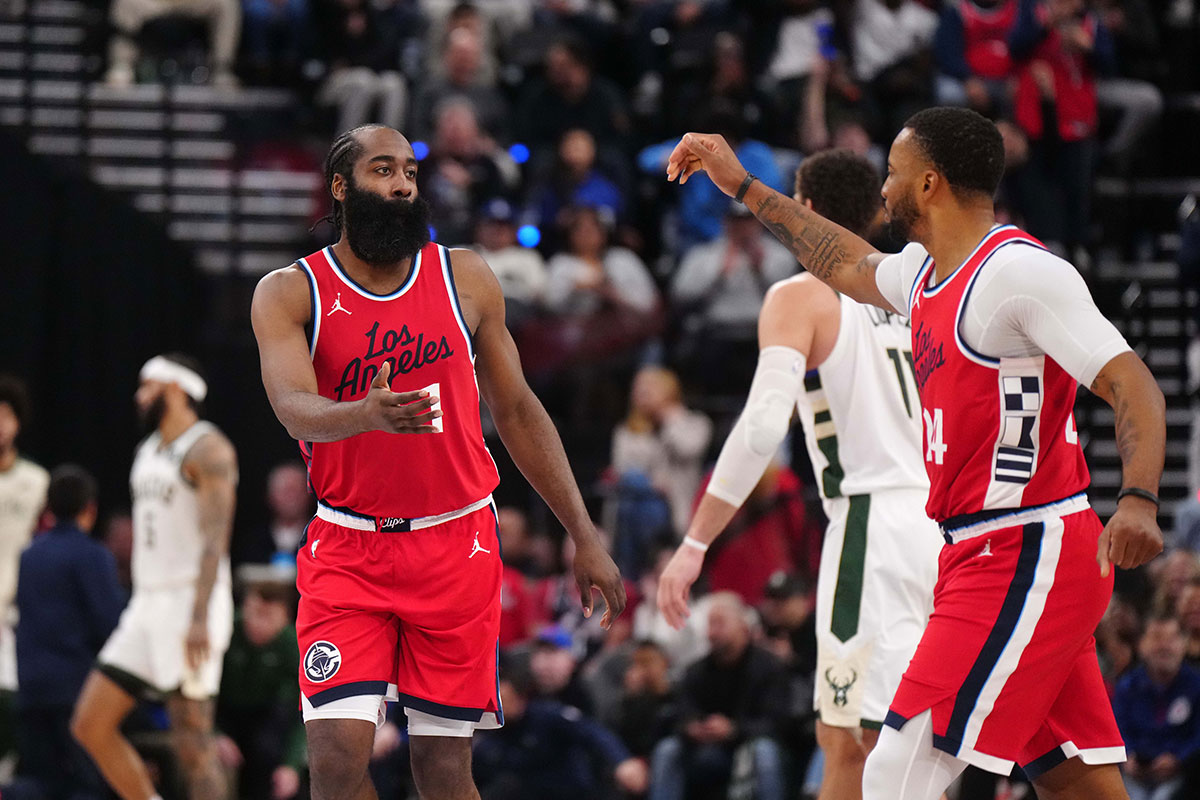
{"type": "Point", "coordinates": [171, 151]}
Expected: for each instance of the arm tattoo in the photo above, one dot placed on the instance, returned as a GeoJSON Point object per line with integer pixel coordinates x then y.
{"type": "Point", "coordinates": [815, 242]}
{"type": "Point", "coordinates": [215, 467]}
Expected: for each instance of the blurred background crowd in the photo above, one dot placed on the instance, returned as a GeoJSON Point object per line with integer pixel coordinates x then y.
{"type": "Point", "coordinates": [543, 127]}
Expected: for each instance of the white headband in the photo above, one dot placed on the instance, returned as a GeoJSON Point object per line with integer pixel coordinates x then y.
{"type": "Point", "coordinates": [161, 369]}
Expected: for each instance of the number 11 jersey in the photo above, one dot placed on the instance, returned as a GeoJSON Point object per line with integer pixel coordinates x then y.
{"type": "Point", "coordinates": [860, 410]}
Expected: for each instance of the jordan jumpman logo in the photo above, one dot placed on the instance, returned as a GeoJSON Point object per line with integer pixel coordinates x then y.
{"type": "Point", "coordinates": [476, 548]}
{"type": "Point", "coordinates": [337, 306]}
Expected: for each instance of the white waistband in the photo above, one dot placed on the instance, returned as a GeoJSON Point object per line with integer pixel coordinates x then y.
{"type": "Point", "coordinates": [360, 522]}
{"type": "Point", "coordinates": [1019, 516]}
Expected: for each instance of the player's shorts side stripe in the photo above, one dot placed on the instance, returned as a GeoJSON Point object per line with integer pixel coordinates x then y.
{"type": "Point", "coordinates": [997, 641]}
{"type": "Point", "coordinates": [352, 689]}
{"type": "Point", "coordinates": [500, 554]}
{"type": "Point", "coordinates": [847, 593]}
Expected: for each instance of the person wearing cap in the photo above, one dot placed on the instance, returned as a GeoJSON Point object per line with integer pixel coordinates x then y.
{"type": "Point", "coordinates": [171, 639]}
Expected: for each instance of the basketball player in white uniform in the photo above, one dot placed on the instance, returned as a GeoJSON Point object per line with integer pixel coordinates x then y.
{"type": "Point", "coordinates": [847, 369]}
{"type": "Point", "coordinates": [172, 637]}
{"type": "Point", "coordinates": [22, 497]}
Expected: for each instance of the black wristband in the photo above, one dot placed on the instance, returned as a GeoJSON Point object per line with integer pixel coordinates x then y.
{"type": "Point", "coordinates": [1136, 492]}
{"type": "Point", "coordinates": [741, 192]}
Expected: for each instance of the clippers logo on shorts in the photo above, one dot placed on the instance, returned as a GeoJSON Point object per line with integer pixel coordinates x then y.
{"type": "Point", "coordinates": [322, 661]}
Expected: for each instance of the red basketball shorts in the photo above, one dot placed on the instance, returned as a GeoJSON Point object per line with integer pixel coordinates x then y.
{"type": "Point", "coordinates": [1007, 663]}
{"type": "Point", "coordinates": [413, 616]}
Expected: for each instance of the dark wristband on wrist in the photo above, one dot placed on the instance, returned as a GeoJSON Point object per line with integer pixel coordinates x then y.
{"type": "Point", "coordinates": [741, 192]}
{"type": "Point", "coordinates": [1133, 491]}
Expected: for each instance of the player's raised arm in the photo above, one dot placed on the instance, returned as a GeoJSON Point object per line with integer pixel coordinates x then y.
{"type": "Point", "coordinates": [281, 308]}
{"type": "Point", "coordinates": [529, 434]}
{"type": "Point", "coordinates": [827, 250]}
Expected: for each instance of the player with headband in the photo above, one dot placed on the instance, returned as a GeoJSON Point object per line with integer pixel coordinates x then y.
{"type": "Point", "coordinates": [170, 642]}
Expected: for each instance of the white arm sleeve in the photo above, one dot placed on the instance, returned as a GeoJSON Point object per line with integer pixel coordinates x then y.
{"type": "Point", "coordinates": [896, 275]}
{"type": "Point", "coordinates": [761, 427]}
{"type": "Point", "coordinates": [1033, 302]}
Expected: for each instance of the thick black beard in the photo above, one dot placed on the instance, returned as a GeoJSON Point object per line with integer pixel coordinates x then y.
{"type": "Point", "coordinates": [152, 417]}
{"type": "Point", "coordinates": [383, 230]}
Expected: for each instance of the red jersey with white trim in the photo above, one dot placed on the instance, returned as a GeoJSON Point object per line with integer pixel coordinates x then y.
{"type": "Point", "coordinates": [419, 329]}
{"type": "Point", "coordinates": [999, 432]}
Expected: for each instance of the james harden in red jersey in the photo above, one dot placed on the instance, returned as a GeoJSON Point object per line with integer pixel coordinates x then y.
{"type": "Point", "coordinates": [375, 353]}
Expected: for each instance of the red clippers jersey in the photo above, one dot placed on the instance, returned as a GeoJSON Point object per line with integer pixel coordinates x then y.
{"type": "Point", "coordinates": [985, 31]}
{"type": "Point", "coordinates": [999, 433]}
{"type": "Point", "coordinates": [420, 329]}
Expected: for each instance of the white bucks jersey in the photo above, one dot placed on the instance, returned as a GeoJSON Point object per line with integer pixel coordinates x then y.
{"type": "Point", "coordinates": [167, 541]}
{"type": "Point", "coordinates": [860, 410]}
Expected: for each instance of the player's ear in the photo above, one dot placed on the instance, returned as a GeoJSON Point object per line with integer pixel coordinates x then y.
{"type": "Point", "coordinates": [930, 182]}
{"type": "Point", "coordinates": [337, 187]}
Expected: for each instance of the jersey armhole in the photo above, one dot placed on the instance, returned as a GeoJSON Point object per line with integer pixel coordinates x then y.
{"type": "Point", "coordinates": [452, 290]}
{"type": "Point", "coordinates": [313, 327]}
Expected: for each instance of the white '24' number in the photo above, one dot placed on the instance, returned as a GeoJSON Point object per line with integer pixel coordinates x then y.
{"type": "Point", "coordinates": [935, 447]}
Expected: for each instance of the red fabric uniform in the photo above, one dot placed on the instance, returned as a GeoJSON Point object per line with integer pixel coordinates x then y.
{"type": "Point", "coordinates": [985, 31]}
{"type": "Point", "coordinates": [1007, 663]}
{"type": "Point", "coordinates": [393, 602]}
{"type": "Point", "coordinates": [419, 329]}
{"type": "Point", "coordinates": [998, 433]}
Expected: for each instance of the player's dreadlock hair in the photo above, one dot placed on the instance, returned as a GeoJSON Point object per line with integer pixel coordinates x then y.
{"type": "Point", "coordinates": [963, 145]}
{"type": "Point", "coordinates": [344, 151]}
{"type": "Point", "coordinates": [842, 186]}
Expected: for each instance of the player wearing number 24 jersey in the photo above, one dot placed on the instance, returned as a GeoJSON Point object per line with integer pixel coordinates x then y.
{"type": "Point", "coordinates": [1006, 671]}
{"type": "Point", "coordinates": [847, 368]}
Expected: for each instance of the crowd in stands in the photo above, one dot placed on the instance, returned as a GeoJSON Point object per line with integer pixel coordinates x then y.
{"type": "Point", "coordinates": [543, 128]}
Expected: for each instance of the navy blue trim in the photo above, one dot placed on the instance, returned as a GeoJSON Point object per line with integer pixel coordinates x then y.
{"type": "Point", "coordinates": [310, 326]}
{"type": "Point", "coordinates": [967, 296]}
{"type": "Point", "coordinates": [412, 273]}
{"type": "Point", "coordinates": [1043, 764]}
{"type": "Point", "coordinates": [348, 511]}
{"type": "Point", "coordinates": [960, 521]}
{"type": "Point", "coordinates": [931, 290]}
{"type": "Point", "coordinates": [921, 273]}
{"type": "Point", "coordinates": [895, 720]}
{"type": "Point", "coordinates": [439, 710]}
{"type": "Point", "coordinates": [500, 548]}
{"type": "Point", "coordinates": [1002, 630]}
{"type": "Point", "coordinates": [352, 689]}
{"type": "Point", "coordinates": [304, 536]}
{"type": "Point", "coordinates": [458, 305]}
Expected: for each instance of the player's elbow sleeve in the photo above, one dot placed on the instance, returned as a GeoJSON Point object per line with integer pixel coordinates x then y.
{"type": "Point", "coordinates": [766, 423]}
